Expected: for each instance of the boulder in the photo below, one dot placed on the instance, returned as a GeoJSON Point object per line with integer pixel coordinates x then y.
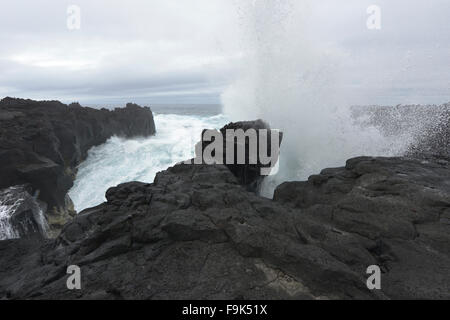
{"type": "Point", "coordinates": [248, 174]}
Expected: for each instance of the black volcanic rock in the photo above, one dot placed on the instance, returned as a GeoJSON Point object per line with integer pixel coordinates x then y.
{"type": "Point", "coordinates": [42, 142]}
{"type": "Point", "coordinates": [400, 206]}
{"type": "Point", "coordinates": [248, 174]}
{"type": "Point", "coordinates": [196, 233]}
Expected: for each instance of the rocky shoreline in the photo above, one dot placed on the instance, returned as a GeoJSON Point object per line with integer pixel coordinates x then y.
{"type": "Point", "coordinates": [43, 142]}
{"type": "Point", "coordinates": [198, 232]}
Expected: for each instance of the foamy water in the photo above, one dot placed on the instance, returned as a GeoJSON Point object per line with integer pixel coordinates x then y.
{"type": "Point", "coordinates": [123, 160]}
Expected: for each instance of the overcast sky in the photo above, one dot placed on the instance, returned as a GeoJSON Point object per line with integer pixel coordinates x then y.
{"type": "Point", "coordinates": [190, 51]}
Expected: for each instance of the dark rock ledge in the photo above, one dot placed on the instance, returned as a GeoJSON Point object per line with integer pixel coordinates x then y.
{"type": "Point", "coordinates": [42, 142]}
{"type": "Point", "coordinates": [196, 233]}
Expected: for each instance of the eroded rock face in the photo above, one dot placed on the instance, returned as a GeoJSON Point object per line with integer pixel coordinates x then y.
{"type": "Point", "coordinates": [42, 142]}
{"type": "Point", "coordinates": [196, 233]}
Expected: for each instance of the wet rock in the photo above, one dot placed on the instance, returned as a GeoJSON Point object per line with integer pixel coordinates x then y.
{"type": "Point", "coordinates": [21, 214]}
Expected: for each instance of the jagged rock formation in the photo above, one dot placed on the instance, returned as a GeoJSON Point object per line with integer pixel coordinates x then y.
{"type": "Point", "coordinates": [248, 173]}
{"type": "Point", "coordinates": [196, 233]}
{"type": "Point", "coordinates": [42, 142]}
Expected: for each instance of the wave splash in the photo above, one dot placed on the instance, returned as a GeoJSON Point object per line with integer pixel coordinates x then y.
{"type": "Point", "coordinates": [293, 81]}
{"type": "Point", "coordinates": [123, 160]}
{"type": "Point", "coordinates": [20, 214]}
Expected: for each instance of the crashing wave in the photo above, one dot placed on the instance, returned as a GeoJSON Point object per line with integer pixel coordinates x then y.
{"type": "Point", "coordinates": [21, 215]}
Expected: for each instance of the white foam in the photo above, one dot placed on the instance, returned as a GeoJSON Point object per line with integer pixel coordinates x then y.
{"type": "Point", "coordinates": [123, 160]}
{"type": "Point", "coordinates": [11, 199]}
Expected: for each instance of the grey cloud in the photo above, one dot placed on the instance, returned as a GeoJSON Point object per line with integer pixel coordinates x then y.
{"type": "Point", "coordinates": [160, 48]}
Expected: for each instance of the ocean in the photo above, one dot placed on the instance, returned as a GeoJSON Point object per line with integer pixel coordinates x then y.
{"type": "Point", "coordinates": [119, 160]}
